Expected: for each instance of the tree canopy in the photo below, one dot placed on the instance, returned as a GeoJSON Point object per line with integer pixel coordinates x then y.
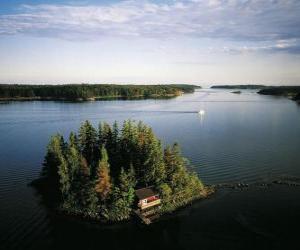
{"type": "Point", "coordinates": [88, 91]}
{"type": "Point", "coordinates": [97, 171]}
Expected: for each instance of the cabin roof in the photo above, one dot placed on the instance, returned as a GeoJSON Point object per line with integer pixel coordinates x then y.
{"type": "Point", "coordinates": [146, 192]}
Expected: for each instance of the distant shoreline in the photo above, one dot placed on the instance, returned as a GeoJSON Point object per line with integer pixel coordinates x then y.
{"type": "Point", "coordinates": [90, 92]}
{"type": "Point", "coordinates": [246, 86]}
{"type": "Point", "coordinates": [96, 98]}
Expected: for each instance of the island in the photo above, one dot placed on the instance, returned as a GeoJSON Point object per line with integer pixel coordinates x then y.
{"type": "Point", "coordinates": [111, 174]}
{"type": "Point", "coordinates": [83, 92]}
{"type": "Point", "coordinates": [292, 92]}
{"type": "Point", "coordinates": [246, 86]}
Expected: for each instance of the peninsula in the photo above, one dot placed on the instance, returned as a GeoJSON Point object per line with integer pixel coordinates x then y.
{"type": "Point", "coordinates": [110, 174]}
{"type": "Point", "coordinates": [81, 92]}
{"type": "Point", "coordinates": [292, 92]}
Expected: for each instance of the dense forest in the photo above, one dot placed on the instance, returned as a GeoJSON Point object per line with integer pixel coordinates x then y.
{"type": "Point", "coordinates": [247, 86]}
{"type": "Point", "coordinates": [95, 173]}
{"type": "Point", "coordinates": [289, 91]}
{"type": "Point", "coordinates": [90, 91]}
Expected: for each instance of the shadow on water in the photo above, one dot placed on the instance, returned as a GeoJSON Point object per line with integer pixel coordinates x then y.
{"type": "Point", "coordinates": [260, 216]}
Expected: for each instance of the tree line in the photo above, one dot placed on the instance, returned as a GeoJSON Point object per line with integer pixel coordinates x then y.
{"type": "Point", "coordinates": [86, 91]}
{"type": "Point", "coordinates": [243, 86]}
{"type": "Point", "coordinates": [290, 91]}
{"type": "Point", "coordinates": [96, 171]}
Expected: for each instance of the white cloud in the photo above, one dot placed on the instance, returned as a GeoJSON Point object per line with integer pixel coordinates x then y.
{"type": "Point", "coordinates": [243, 20]}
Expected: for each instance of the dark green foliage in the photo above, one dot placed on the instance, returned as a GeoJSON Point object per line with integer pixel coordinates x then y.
{"type": "Point", "coordinates": [53, 161]}
{"type": "Point", "coordinates": [122, 196]}
{"type": "Point", "coordinates": [103, 180]}
{"type": "Point", "coordinates": [87, 91]}
{"type": "Point", "coordinates": [64, 176]}
{"type": "Point", "coordinates": [88, 142]}
{"type": "Point", "coordinates": [73, 140]}
{"type": "Point", "coordinates": [288, 91]}
{"type": "Point", "coordinates": [96, 174]}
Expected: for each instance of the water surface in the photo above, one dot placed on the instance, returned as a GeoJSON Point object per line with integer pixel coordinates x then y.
{"type": "Point", "coordinates": [240, 138]}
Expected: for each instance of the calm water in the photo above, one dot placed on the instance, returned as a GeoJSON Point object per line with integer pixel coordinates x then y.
{"type": "Point", "coordinates": [247, 137]}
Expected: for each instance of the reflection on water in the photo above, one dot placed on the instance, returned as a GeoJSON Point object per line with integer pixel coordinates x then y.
{"type": "Point", "coordinates": [244, 137]}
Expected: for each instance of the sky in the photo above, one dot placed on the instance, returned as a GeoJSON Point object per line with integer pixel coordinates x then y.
{"type": "Point", "coordinates": [201, 42]}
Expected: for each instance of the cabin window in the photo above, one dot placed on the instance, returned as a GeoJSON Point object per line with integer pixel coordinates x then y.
{"type": "Point", "coordinates": [145, 201]}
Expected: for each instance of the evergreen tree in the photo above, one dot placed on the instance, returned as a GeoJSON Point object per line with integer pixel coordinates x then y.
{"type": "Point", "coordinates": [115, 134]}
{"type": "Point", "coordinates": [127, 181]}
{"type": "Point", "coordinates": [128, 144]}
{"type": "Point", "coordinates": [165, 195]}
{"type": "Point", "coordinates": [122, 197]}
{"type": "Point", "coordinates": [175, 168]}
{"type": "Point", "coordinates": [104, 134]}
{"type": "Point", "coordinates": [74, 159]}
{"type": "Point", "coordinates": [152, 168]}
{"type": "Point", "coordinates": [53, 160]}
{"type": "Point", "coordinates": [103, 182]}
{"type": "Point", "coordinates": [113, 149]}
{"type": "Point", "coordinates": [64, 177]}
{"type": "Point", "coordinates": [88, 141]}
{"type": "Point", "coordinates": [92, 201]}
{"type": "Point", "coordinates": [73, 140]}
{"type": "Point", "coordinates": [86, 187]}
{"type": "Point", "coordinates": [82, 184]}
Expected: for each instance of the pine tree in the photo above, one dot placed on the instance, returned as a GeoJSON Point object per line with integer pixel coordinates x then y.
{"type": "Point", "coordinates": [64, 177]}
{"type": "Point", "coordinates": [53, 160]}
{"type": "Point", "coordinates": [74, 159]}
{"type": "Point", "coordinates": [113, 149]}
{"type": "Point", "coordinates": [122, 197]}
{"type": "Point", "coordinates": [104, 134]}
{"type": "Point", "coordinates": [92, 201]}
{"type": "Point", "coordinates": [86, 187]}
{"type": "Point", "coordinates": [127, 180]}
{"type": "Point", "coordinates": [165, 194]}
{"type": "Point", "coordinates": [115, 134]}
{"type": "Point", "coordinates": [173, 160]}
{"type": "Point", "coordinates": [88, 141]}
{"type": "Point", "coordinates": [82, 184]}
{"type": "Point", "coordinates": [153, 168]}
{"type": "Point", "coordinates": [184, 185]}
{"type": "Point", "coordinates": [73, 140]}
{"type": "Point", "coordinates": [103, 182]}
{"type": "Point", "coordinates": [128, 144]}
{"type": "Point", "coordinates": [84, 169]}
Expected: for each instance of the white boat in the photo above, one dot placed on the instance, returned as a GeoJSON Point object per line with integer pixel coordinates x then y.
{"type": "Point", "coordinates": [201, 112]}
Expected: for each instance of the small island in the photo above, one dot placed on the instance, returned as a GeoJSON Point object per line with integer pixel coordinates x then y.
{"type": "Point", "coordinates": [110, 174]}
{"type": "Point", "coordinates": [90, 92]}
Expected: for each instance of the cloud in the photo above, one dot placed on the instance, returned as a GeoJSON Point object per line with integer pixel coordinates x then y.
{"type": "Point", "coordinates": [286, 46]}
{"type": "Point", "coordinates": [266, 21]}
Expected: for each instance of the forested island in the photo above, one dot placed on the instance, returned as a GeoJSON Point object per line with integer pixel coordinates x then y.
{"type": "Point", "coordinates": [246, 86]}
{"type": "Point", "coordinates": [292, 92]}
{"type": "Point", "coordinates": [96, 173]}
{"type": "Point", "coordinates": [90, 91]}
